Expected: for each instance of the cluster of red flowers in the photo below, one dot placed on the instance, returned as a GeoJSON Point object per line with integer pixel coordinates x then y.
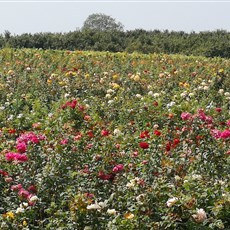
{"type": "Point", "coordinates": [104, 132]}
{"type": "Point", "coordinates": [172, 144]}
{"type": "Point", "coordinates": [144, 145]}
{"type": "Point", "coordinates": [3, 173]}
{"type": "Point", "coordinates": [72, 104]}
{"type": "Point", "coordinates": [110, 176]}
{"type": "Point", "coordinates": [145, 135]}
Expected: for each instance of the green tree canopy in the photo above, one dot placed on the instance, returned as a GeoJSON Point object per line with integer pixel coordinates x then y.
{"type": "Point", "coordinates": [102, 22]}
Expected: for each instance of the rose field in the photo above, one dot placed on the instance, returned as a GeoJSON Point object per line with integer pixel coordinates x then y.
{"type": "Point", "coordinates": [117, 141]}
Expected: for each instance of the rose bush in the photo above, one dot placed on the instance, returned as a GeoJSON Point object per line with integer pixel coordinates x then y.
{"type": "Point", "coordinates": [113, 141]}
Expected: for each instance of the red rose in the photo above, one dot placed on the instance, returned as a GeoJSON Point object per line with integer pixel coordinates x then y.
{"type": "Point", "coordinates": [157, 133]}
{"type": "Point", "coordinates": [90, 134]}
{"type": "Point", "coordinates": [104, 132]}
{"type": "Point", "coordinates": [168, 147]}
{"type": "Point", "coordinates": [32, 188]}
{"type": "Point", "coordinates": [145, 134]}
{"type": "Point", "coordinates": [155, 103]}
{"type": "Point", "coordinates": [144, 145]}
{"type": "Point", "coordinates": [218, 110]}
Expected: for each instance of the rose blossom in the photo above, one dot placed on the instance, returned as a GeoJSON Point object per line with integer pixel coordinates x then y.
{"type": "Point", "coordinates": [21, 147]}
{"type": "Point", "coordinates": [118, 168]}
{"type": "Point", "coordinates": [186, 116]}
{"type": "Point", "coordinates": [200, 216]}
{"type": "Point", "coordinates": [171, 201]}
{"type": "Point", "coordinates": [11, 156]}
{"type": "Point", "coordinates": [216, 133]}
{"type": "Point", "coordinates": [104, 132]}
{"type": "Point", "coordinates": [16, 187]}
{"type": "Point", "coordinates": [144, 145]}
{"type": "Point", "coordinates": [225, 134]}
{"type": "Point", "coordinates": [23, 193]}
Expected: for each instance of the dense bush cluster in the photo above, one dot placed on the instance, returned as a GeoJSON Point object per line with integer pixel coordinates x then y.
{"type": "Point", "coordinates": [97, 140]}
{"type": "Point", "coordinates": [209, 44]}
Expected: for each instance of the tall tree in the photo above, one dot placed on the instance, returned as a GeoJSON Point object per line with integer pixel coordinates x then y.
{"type": "Point", "coordinates": [102, 22]}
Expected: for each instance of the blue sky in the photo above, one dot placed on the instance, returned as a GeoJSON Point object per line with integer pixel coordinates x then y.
{"type": "Point", "coordinates": [63, 16]}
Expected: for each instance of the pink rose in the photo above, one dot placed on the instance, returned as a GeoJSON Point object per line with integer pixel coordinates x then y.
{"type": "Point", "coordinates": [118, 168]}
{"type": "Point", "coordinates": [23, 193]}
{"type": "Point", "coordinates": [16, 187]}
{"type": "Point", "coordinates": [225, 134]}
{"type": "Point", "coordinates": [64, 142]}
{"type": "Point", "coordinates": [186, 116]}
{"type": "Point", "coordinates": [16, 157]}
{"type": "Point", "coordinates": [21, 147]}
{"type": "Point", "coordinates": [104, 132]}
{"type": "Point", "coordinates": [216, 133]}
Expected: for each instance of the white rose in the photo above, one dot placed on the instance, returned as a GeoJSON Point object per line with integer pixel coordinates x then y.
{"type": "Point", "coordinates": [110, 91]}
{"type": "Point", "coordinates": [200, 216]}
{"type": "Point", "coordinates": [93, 206]}
{"type": "Point", "coordinates": [33, 199]}
{"type": "Point", "coordinates": [171, 201]}
{"type": "Point", "coordinates": [156, 95]}
{"type": "Point", "coordinates": [111, 211]}
{"type": "Point", "coordinates": [108, 95]}
{"type": "Point", "coordinates": [150, 93]}
{"type": "Point", "coordinates": [117, 132]}
{"type": "Point", "coordinates": [88, 228]}
{"type": "Point", "coordinates": [221, 91]}
{"type": "Point", "coordinates": [20, 210]}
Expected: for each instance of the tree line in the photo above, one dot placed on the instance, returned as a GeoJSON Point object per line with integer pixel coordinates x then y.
{"type": "Point", "coordinates": [208, 43]}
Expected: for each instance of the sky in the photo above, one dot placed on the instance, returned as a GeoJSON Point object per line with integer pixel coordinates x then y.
{"type": "Point", "coordinates": [63, 16]}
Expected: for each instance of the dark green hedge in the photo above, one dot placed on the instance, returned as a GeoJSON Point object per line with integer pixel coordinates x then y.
{"type": "Point", "coordinates": [209, 44]}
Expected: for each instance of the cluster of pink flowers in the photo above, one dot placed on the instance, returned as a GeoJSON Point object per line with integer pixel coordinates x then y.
{"type": "Point", "coordinates": [118, 168]}
{"type": "Point", "coordinates": [188, 116]}
{"type": "Point", "coordinates": [21, 146]}
{"type": "Point", "coordinates": [217, 134]}
{"type": "Point", "coordinates": [11, 156]}
{"type": "Point", "coordinates": [29, 137]}
{"type": "Point", "coordinates": [27, 194]}
{"type": "Point", "coordinates": [204, 117]}
{"type": "Point", "coordinates": [19, 157]}
{"type": "Point", "coordinates": [64, 141]}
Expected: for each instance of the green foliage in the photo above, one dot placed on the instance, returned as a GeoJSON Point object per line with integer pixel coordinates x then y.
{"type": "Point", "coordinates": [209, 44]}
